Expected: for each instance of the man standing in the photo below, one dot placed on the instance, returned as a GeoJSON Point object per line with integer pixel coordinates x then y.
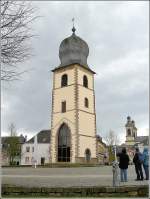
{"type": "Point", "coordinates": [123, 164]}
{"type": "Point", "coordinates": [138, 164]}
{"type": "Point", "coordinates": [146, 163]}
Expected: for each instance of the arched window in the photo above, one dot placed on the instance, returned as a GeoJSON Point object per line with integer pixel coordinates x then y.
{"type": "Point", "coordinates": [86, 102]}
{"type": "Point", "coordinates": [87, 155]}
{"type": "Point", "coordinates": [129, 132]}
{"type": "Point", "coordinates": [64, 144]}
{"type": "Point", "coordinates": [85, 81]}
{"type": "Point", "coordinates": [64, 80]}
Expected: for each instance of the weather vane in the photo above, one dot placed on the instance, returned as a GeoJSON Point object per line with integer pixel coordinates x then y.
{"type": "Point", "coordinates": [73, 29]}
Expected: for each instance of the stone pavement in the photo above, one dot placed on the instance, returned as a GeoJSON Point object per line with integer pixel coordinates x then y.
{"type": "Point", "coordinates": [64, 177]}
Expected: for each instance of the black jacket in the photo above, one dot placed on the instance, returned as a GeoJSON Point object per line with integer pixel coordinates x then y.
{"type": "Point", "coordinates": [136, 159]}
{"type": "Point", "coordinates": [123, 160]}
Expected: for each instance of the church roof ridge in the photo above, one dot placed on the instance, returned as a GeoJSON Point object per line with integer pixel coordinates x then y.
{"type": "Point", "coordinates": [42, 137]}
{"type": "Point", "coordinates": [61, 67]}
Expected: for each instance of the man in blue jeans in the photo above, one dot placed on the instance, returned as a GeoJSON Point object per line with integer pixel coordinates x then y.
{"type": "Point", "coordinates": [123, 165]}
{"type": "Point", "coordinates": [138, 164]}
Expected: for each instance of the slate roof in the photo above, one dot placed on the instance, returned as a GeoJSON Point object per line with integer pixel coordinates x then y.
{"type": "Point", "coordinates": [62, 67]}
{"type": "Point", "coordinates": [4, 140]}
{"type": "Point", "coordinates": [21, 139]}
{"type": "Point", "coordinates": [42, 137]}
{"type": "Point", "coordinates": [142, 139]}
{"type": "Point", "coordinates": [99, 138]}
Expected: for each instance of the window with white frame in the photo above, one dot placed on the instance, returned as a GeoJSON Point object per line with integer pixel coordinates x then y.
{"type": "Point", "coordinates": [27, 149]}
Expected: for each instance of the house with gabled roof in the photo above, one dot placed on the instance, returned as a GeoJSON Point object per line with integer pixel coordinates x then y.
{"type": "Point", "coordinates": [37, 149]}
{"type": "Point", "coordinates": [7, 143]}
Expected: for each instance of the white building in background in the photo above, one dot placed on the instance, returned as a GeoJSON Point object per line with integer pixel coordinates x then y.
{"type": "Point", "coordinates": [37, 149]}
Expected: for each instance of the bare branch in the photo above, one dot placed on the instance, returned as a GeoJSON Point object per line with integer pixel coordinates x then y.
{"type": "Point", "coordinates": [12, 129]}
{"type": "Point", "coordinates": [16, 21]}
{"type": "Point", "coordinates": [111, 138]}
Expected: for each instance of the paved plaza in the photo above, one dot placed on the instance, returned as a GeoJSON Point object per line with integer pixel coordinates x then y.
{"type": "Point", "coordinates": [64, 177]}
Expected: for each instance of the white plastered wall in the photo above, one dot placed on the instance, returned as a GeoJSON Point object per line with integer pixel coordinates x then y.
{"type": "Point", "coordinates": [58, 118]}
{"type": "Point", "coordinates": [87, 142]}
{"type": "Point", "coordinates": [86, 116]}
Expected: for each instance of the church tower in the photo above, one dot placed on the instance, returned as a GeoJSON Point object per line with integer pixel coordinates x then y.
{"type": "Point", "coordinates": [131, 131]}
{"type": "Point", "coordinates": [73, 119]}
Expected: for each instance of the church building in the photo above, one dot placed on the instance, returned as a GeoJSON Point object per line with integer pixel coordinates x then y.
{"type": "Point", "coordinates": [73, 118]}
{"type": "Point", "coordinates": [133, 140]}
{"type": "Point", "coordinates": [131, 132]}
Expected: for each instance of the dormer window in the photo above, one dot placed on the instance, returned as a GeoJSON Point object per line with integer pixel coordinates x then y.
{"type": "Point", "coordinates": [85, 81]}
{"type": "Point", "coordinates": [64, 80]}
{"type": "Point", "coordinates": [27, 149]}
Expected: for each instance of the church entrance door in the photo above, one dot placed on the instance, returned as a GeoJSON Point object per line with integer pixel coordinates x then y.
{"type": "Point", "coordinates": [64, 144]}
{"type": "Point", "coordinates": [87, 155]}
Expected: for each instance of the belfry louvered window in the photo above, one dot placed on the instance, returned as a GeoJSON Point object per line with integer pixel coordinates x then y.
{"type": "Point", "coordinates": [129, 132]}
{"type": "Point", "coordinates": [64, 80]}
{"type": "Point", "coordinates": [85, 81]}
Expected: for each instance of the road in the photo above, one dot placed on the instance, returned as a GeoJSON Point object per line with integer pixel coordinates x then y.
{"type": "Point", "coordinates": [64, 177]}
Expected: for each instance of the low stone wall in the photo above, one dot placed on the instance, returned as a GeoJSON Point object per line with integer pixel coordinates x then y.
{"type": "Point", "coordinates": [57, 165]}
{"type": "Point", "coordinates": [122, 191]}
{"type": "Point", "coordinates": [81, 160]}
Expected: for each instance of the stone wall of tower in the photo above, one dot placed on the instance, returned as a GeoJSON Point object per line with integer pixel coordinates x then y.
{"type": "Point", "coordinates": [60, 94]}
{"type": "Point", "coordinates": [86, 116]}
{"type": "Point", "coordinates": [80, 120]}
{"type": "Point", "coordinates": [130, 137]}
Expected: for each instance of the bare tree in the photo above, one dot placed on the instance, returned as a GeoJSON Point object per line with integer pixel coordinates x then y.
{"type": "Point", "coordinates": [12, 129]}
{"type": "Point", "coordinates": [16, 21]}
{"type": "Point", "coordinates": [13, 148]}
{"type": "Point", "coordinates": [111, 138]}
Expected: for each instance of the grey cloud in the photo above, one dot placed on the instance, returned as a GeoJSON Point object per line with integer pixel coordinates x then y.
{"type": "Point", "coordinates": [114, 31]}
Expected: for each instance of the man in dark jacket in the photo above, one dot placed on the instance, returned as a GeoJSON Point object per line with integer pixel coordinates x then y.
{"type": "Point", "coordinates": [138, 164]}
{"type": "Point", "coordinates": [123, 164]}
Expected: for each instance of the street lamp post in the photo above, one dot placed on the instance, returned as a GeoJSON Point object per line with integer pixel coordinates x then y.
{"type": "Point", "coordinates": [35, 151]}
{"type": "Point", "coordinates": [115, 168]}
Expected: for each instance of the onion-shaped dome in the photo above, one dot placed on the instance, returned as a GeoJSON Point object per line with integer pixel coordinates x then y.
{"type": "Point", "coordinates": [128, 118]}
{"type": "Point", "coordinates": [73, 50]}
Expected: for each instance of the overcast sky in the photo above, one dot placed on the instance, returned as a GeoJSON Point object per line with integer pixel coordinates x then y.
{"type": "Point", "coordinates": [118, 37]}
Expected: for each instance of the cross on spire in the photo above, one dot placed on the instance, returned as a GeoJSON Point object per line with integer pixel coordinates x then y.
{"type": "Point", "coordinates": [73, 29]}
